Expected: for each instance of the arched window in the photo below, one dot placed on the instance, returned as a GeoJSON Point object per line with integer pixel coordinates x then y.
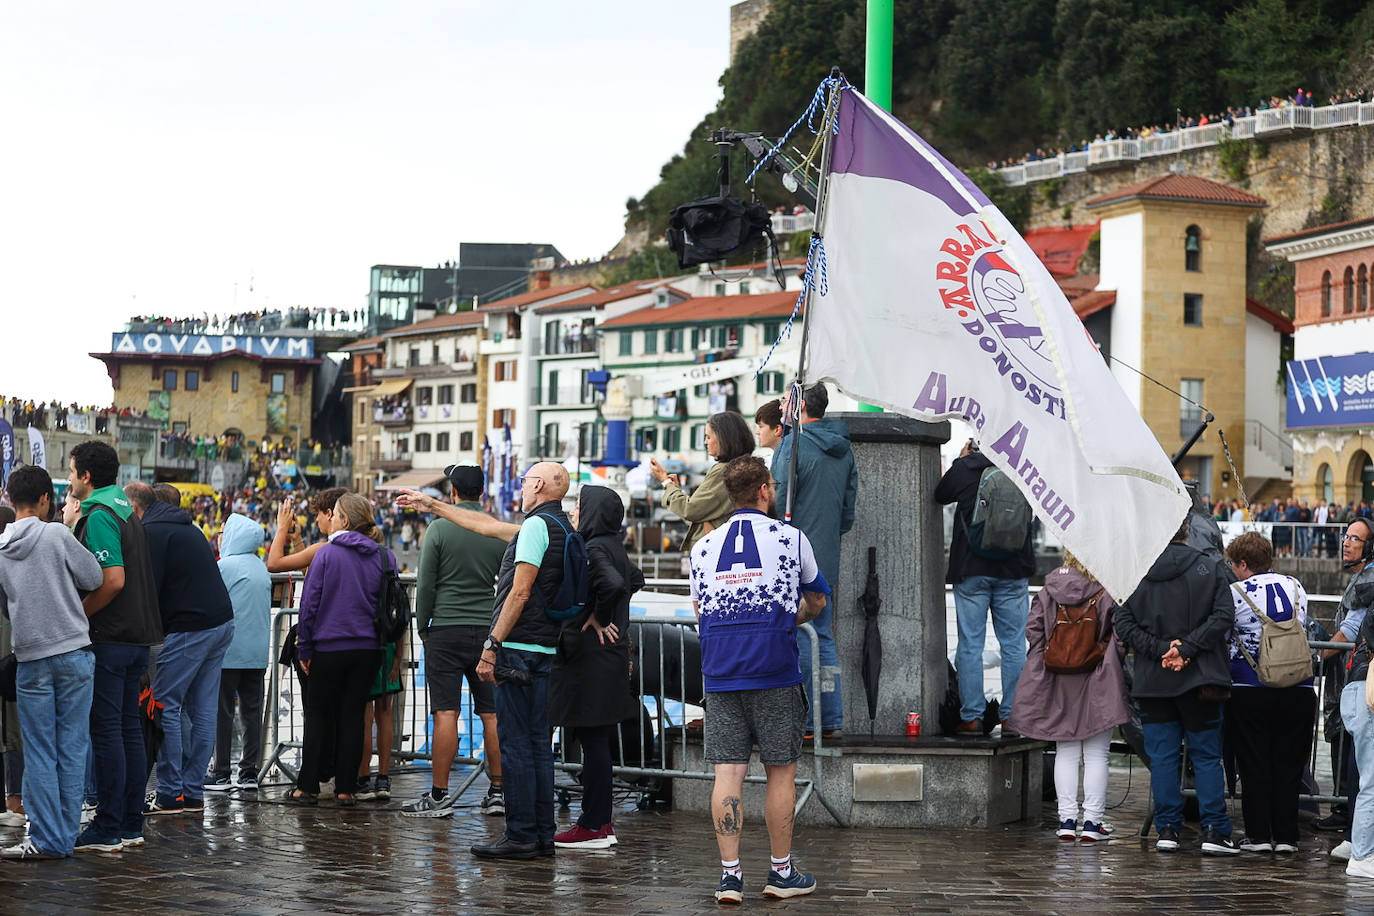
{"type": "Point", "coordinates": [1326, 294]}
{"type": "Point", "coordinates": [1348, 287]}
{"type": "Point", "coordinates": [1192, 249]}
{"type": "Point", "coordinates": [1326, 480]}
{"type": "Point", "coordinates": [1362, 289]}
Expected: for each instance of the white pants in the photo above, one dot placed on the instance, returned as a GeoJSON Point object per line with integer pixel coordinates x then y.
{"type": "Point", "coordinates": [1093, 752]}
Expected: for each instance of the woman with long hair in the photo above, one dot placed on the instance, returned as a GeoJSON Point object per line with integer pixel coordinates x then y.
{"type": "Point", "coordinates": [727, 437]}
{"type": "Point", "coordinates": [338, 646]}
{"type": "Point", "coordinates": [1076, 711]}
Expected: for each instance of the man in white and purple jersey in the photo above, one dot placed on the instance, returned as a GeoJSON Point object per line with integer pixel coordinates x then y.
{"type": "Point", "coordinates": [754, 581]}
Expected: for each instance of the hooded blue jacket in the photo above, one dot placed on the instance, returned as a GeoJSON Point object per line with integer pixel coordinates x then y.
{"type": "Point", "coordinates": [250, 592]}
{"type": "Point", "coordinates": [827, 485]}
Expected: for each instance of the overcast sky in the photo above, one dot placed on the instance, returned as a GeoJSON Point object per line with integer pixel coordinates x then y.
{"type": "Point", "coordinates": [174, 158]}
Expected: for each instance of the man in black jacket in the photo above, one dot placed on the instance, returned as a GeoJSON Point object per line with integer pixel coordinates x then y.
{"type": "Point", "coordinates": [1177, 623]}
{"type": "Point", "coordinates": [982, 585]}
{"type": "Point", "coordinates": [198, 619]}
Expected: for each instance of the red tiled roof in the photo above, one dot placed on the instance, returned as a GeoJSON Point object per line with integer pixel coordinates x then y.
{"type": "Point", "coordinates": [1093, 302]}
{"type": "Point", "coordinates": [1182, 188]}
{"type": "Point", "coordinates": [367, 343]}
{"type": "Point", "coordinates": [1320, 230]}
{"type": "Point", "coordinates": [1060, 248]}
{"type": "Point", "coordinates": [1281, 322]}
{"type": "Point", "coordinates": [710, 308]}
{"type": "Point", "coordinates": [533, 296]}
{"type": "Point", "coordinates": [440, 322]}
{"type": "Point", "coordinates": [603, 296]}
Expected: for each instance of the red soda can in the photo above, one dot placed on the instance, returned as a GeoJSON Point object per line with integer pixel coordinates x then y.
{"type": "Point", "coordinates": [913, 724]}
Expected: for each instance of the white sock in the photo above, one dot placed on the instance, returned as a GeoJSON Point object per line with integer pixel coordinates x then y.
{"type": "Point", "coordinates": [731, 868]}
{"type": "Point", "coordinates": [783, 866]}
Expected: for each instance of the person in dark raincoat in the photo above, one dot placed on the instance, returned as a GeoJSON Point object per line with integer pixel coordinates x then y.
{"type": "Point", "coordinates": [590, 690]}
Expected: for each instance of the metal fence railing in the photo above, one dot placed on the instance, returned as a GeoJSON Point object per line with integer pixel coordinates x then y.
{"type": "Point", "coordinates": [666, 672]}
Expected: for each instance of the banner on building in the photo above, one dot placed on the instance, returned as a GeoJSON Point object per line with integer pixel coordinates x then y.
{"type": "Point", "coordinates": [212, 345]}
{"type": "Point", "coordinates": [38, 452]}
{"type": "Point", "coordinates": [937, 309]}
{"type": "Point", "coordinates": [1331, 391]}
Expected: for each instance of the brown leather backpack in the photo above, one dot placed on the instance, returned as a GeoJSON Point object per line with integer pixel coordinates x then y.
{"type": "Point", "coordinates": [1074, 646]}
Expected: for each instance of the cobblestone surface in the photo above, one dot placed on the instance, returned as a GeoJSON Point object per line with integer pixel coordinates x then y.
{"type": "Point", "coordinates": [250, 855]}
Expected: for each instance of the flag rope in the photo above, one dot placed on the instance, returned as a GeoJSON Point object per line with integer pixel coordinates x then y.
{"type": "Point", "coordinates": [813, 276]}
{"type": "Point", "coordinates": [809, 116]}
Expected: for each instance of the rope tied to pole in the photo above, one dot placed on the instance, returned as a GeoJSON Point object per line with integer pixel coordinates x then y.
{"type": "Point", "coordinates": [818, 102]}
{"type": "Point", "coordinates": [814, 276]}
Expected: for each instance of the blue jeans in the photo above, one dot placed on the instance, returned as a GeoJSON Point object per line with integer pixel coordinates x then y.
{"type": "Point", "coordinates": [832, 702]}
{"type": "Point", "coordinates": [54, 720]}
{"type": "Point", "coordinates": [186, 683]}
{"type": "Point", "coordinates": [1162, 744]}
{"type": "Point", "coordinates": [522, 725]}
{"type": "Point", "coordinates": [1009, 601]}
{"type": "Point", "coordinates": [1359, 722]}
{"type": "Point", "coordinates": [117, 736]}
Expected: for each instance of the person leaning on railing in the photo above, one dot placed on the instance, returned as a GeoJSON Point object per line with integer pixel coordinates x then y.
{"type": "Point", "coordinates": [727, 437]}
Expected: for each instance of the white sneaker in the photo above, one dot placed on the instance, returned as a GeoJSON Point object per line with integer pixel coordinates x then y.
{"type": "Point", "coordinates": [24, 850]}
{"type": "Point", "coordinates": [1285, 848]}
{"type": "Point", "coordinates": [1360, 868]}
{"type": "Point", "coordinates": [12, 819]}
{"type": "Point", "coordinates": [1341, 853]}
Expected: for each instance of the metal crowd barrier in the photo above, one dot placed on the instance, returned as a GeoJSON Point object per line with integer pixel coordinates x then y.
{"type": "Point", "coordinates": [666, 666]}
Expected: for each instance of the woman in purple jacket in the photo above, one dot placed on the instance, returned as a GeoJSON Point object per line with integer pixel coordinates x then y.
{"type": "Point", "coordinates": [338, 647]}
{"type": "Point", "coordinates": [1076, 711]}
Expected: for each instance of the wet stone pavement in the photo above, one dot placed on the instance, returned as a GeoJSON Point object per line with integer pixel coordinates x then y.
{"type": "Point", "coordinates": [250, 855]}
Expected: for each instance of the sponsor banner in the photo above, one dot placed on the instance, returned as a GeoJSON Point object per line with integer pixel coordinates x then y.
{"type": "Point", "coordinates": [937, 309]}
{"type": "Point", "coordinates": [1331, 391]}
{"type": "Point", "coordinates": [6, 451]}
{"type": "Point", "coordinates": [38, 452]}
{"type": "Point", "coordinates": [212, 345]}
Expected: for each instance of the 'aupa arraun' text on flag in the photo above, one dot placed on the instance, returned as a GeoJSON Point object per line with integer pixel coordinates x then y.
{"type": "Point", "coordinates": [936, 308]}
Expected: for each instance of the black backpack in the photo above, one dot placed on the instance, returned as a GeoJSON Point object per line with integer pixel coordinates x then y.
{"type": "Point", "coordinates": [393, 605]}
{"type": "Point", "coordinates": [571, 597]}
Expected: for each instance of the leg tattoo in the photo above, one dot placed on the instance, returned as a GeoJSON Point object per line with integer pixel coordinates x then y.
{"type": "Point", "coordinates": [728, 824]}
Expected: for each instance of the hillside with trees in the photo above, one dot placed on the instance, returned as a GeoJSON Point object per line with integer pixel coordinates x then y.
{"type": "Point", "coordinates": [985, 80]}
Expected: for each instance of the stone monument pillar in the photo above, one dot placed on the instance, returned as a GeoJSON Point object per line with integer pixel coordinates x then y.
{"type": "Point", "coordinates": [898, 459]}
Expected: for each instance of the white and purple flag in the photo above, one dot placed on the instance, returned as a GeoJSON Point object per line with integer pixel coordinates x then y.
{"type": "Point", "coordinates": [938, 309]}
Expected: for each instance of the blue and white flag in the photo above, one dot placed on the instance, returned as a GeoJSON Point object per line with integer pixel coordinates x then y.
{"type": "Point", "coordinates": [38, 453]}
{"type": "Point", "coordinates": [6, 451]}
{"type": "Point", "coordinates": [936, 308]}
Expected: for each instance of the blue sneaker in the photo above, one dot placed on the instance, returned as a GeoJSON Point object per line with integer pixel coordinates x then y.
{"type": "Point", "coordinates": [91, 841]}
{"type": "Point", "coordinates": [730, 890]}
{"type": "Point", "coordinates": [796, 884]}
{"type": "Point", "coordinates": [1068, 831]}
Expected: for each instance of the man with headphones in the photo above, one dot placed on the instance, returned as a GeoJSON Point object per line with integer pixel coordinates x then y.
{"type": "Point", "coordinates": [1357, 552]}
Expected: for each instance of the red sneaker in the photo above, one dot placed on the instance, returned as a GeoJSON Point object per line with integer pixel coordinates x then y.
{"type": "Point", "coordinates": [609, 833]}
{"type": "Point", "coordinates": [579, 837]}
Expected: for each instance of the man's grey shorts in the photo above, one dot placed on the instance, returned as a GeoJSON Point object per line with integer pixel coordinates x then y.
{"type": "Point", "coordinates": [774, 718]}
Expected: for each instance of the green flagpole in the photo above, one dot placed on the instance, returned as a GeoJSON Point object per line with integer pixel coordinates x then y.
{"type": "Point", "coordinates": [878, 73]}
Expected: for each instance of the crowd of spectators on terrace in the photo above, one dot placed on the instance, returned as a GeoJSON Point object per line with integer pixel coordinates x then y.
{"type": "Point", "coordinates": [257, 322]}
{"type": "Point", "coordinates": [54, 414]}
{"type": "Point", "coordinates": [1301, 98]}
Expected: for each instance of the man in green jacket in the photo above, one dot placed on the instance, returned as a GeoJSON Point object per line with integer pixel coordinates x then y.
{"type": "Point", "coordinates": [453, 597]}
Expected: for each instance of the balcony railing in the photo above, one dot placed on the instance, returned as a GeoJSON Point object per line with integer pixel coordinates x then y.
{"type": "Point", "coordinates": [1269, 121]}
{"type": "Point", "coordinates": [571, 345]}
{"type": "Point", "coordinates": [1269, 443]}
{"type": "Point", "coordinates": [391, 417]}
{"type": "Point", "coordinates": [392, 464]}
